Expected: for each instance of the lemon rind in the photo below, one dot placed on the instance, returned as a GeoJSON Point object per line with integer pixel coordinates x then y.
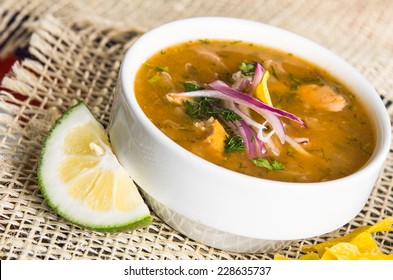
{"type": "Point", "coordinates": [115, 221]}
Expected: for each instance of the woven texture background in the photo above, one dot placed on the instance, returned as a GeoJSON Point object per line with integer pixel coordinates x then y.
{"type": "Point", "coordinates": [75, 49]}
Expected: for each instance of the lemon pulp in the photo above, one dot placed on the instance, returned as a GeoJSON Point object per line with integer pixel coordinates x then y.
{"type": "Point", "coordinates": [81, 179]}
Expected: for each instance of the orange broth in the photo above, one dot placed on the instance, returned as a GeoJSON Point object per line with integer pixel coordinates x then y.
{"type": "Point", "coordinates": [339, 141]}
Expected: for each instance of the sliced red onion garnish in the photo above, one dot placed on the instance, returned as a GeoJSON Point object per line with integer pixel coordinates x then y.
{"type": "Point", "coordinates": [247, 135]}
{"type": "Point", "coordinates": [276, 124]}
{"type": "Point", "coordinates": [302, 140]}
{"type": "Point", "coordinates": [241, 82]}
{"type": "Point", "coordinates": [235, 99]}
{"type": "Point", "coordinates": [274, 121]}
{"type": "Point", "coordinates": [256, 79]}
{"type": "Point", "coordinates": [268, 112]}
{"type": "Point", "coordinates": [250, 122]}
{"type": "Point", "coordinates": [254, 146]}
{"type": "Point", "coordinates": [244, 116]}
{"type": "Point", "coordinates": [260, 147]}
{"type": "Point", "coordinates": [253, 103]}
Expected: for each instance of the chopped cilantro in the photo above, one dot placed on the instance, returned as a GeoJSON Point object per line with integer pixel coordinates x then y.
{"type": "Point", "coordinates": [277, 165]}
{"type": "Point", "coordinates": [157, 68]}
{"type": "Point", "coordinates": [296, 80]}
{"type": "Point", "coordinates": [234, 144]}
{"type": "Point", "coordinates": [207, 107]}
{"type": "Point", "coordinates": [191, 108]}
{"type": "Point", "coordinates": [263, 162]}
{"type": "Point", "coordinates": [202, 108]}
{"type": "Point", "coordinates": [294, 87]}
{"type": "Point", "coordinates": [162, 68]}
{"type": "Point", "coordinates": [204, 41]}
{"type": "Point", "coordinates": [274, 72]}
{"type": "Point", "coordinates": [188, 86]}
{"type": "Point", "coordinates": [229, 115]}
{"type": "Point", "coordinates": [247, 68]}
{"type": "Point", "coordinates": [154, 79]}
{"type": "Point", "coordinates": [310, 80]}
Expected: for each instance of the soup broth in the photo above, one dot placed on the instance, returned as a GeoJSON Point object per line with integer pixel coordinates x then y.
{"type": "Point", "coordinates": [332, 137]}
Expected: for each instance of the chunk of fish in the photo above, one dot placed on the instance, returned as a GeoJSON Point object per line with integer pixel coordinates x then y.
{"type": "Point", "coordinates": [216, 133]}
{"type": "Point", "coordinates": [173, 98]}
{"type": "Point", "coordinates": [322, 97]}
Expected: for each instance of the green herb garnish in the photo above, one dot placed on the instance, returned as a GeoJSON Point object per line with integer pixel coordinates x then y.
{"type": "Point", "coordinates": [274, 72]}
{"type": "Point", "coordinates": [207, 107]}
{"type": "Point", "coordinates": [247, 68]}
{"type": "Point", "coordinates": [154, 79]}
{"type": "Point", "coordinates": [230, 115]}
{"type": "Point", "coordinates": [203, 108]}
{"type": "Point", "coordinates": [234, 144]}
{"type": "Point", "coordinates": [191, 108]}
{"type": "Point", "coordinates": [263, 162]}
{"type": "Point", "coordinates": [204, 41]}
{"type": "Point", "coordinates": [188, 86]}
{"type": "Point", "coordinates": [296, 80]}
{"type": "Point", "coordinates": [277, 165]}
{"type": "Point", "coordinates": [157, 68]}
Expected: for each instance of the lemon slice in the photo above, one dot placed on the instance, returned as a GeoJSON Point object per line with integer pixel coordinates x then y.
{"type": "Point", "coordinates": [262, 91]}
{"type": "Point", "coordinates": [82, 180]}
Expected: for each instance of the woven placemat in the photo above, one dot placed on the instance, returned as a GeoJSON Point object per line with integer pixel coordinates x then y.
{"type": "Point", "coordinates": [75, 50]}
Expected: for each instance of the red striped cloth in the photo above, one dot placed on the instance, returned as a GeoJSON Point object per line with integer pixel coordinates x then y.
{"type": "Point", "coordinates": [5, 65]}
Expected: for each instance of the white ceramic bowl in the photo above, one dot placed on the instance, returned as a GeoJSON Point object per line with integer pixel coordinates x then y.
{"type": "Point", "coordinates": [220, 207]}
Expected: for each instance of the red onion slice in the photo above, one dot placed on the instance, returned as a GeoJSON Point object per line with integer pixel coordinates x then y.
{"type": "Point", "coordinates": [253, 103]}
{"type": "Point", "coordinates": [256, 79]}
{"type": "Point", "coordinates": [274, 121]}
{"type": "Point", "coordinates": [247, 135]}
{"type": "Point", "coordinates": [224, 92]}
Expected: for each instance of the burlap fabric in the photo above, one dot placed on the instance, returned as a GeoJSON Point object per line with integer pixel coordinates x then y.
{"type": "Point", "coordinates": [75, 49]}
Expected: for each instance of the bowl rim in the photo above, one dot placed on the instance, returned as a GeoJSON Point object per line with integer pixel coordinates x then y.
{"type": "Point", "coordinates": [383, 134]}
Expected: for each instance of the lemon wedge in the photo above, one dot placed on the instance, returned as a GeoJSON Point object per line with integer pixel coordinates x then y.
{"type": "Point", "coordinates": [82, 180]}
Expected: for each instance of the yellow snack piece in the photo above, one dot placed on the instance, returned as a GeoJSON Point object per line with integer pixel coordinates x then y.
{"type": "Point", "coordinates": [321, 247]}
{"type": "Point", "coordinates": [373, 257]}
{"type": "Point", "coordinates": [357, 245]}
{"type": "Point", "coordinates": [280, 258]}
{"type": "Point", "coordinates": [384, 225]}
{"type": "Point", "coordinates": [341, 251]}
{"type": "Point", "coordinates": [366, 243]}
{"type": "Point", "coordinates": [310, 256]}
